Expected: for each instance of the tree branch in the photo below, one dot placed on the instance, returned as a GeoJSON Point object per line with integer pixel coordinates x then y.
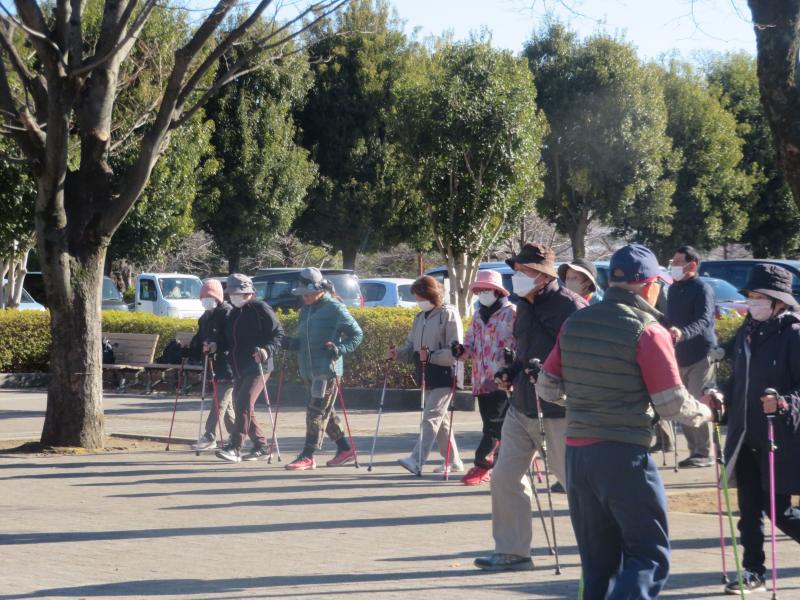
{"type": "Point", "coordinates": [33, 23]}
{"type": "Point", "coordinates": [35, 84]}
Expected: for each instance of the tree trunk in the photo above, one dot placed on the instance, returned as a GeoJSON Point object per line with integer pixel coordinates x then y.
{"type": "Point", "coordinates": [577, 236]}
{"type": "Point", "coordinates": [461, 270]}
{"type": "Point", "coordinates": [777, 28]}
{"type": "Point", "coordinates": [234, 260]}
{"type": "Point", "coordinates": [349, 258]}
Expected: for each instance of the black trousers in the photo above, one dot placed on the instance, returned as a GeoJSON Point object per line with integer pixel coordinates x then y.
{"type": "Point", "coordinates": [492, 407]}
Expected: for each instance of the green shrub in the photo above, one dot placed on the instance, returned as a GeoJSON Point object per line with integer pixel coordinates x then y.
{"type": "Point", "coordinates": [726, 331]}
{"type": "Point", "coordinates": [24, 340]}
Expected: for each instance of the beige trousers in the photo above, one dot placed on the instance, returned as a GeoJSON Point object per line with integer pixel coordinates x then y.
{"type": "Point", "coordinates": [436, 426]}
{"type": "Point", "coordinates": [511, 488]}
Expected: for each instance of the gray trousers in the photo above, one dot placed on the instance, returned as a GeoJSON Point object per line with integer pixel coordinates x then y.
{"type": "Point", "coordinates": [436, 426]}
{"type": "Point", "coordinates": [226, 413]}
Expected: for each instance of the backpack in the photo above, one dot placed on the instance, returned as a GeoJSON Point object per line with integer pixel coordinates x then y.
{"type": "Point", "coordinates": [172, 355]}
{"type": "Point", "coordinates": [108, 352]}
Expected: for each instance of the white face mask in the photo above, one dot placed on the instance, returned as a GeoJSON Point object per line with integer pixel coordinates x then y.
{"type": "Point", "coordinates": [208, 303]}
{"type": "Point", "coordinates": [425, 305]}
{"type": "Point", "coordinates": [238, 300]}
{"type": "Point", "coordinates": [487, 298]}
{"type": "Point", "coordinates": [522, 284]}
{"type": "Point", "coordinates": [676, 272]}
{"type": "Point", "coordinates": [760, 309]}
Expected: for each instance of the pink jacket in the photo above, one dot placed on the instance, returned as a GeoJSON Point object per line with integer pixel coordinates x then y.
{"type": "Point", "coordinates": [484, 344]}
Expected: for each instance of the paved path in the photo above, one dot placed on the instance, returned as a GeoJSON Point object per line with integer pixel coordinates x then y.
{"type": "Point", "coordinates": [172, 525]}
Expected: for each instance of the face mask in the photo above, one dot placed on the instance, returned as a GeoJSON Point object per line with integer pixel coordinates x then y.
{"type": "Point", "coordinates": [208, 303]}
{"type": "Point", "coordinates": [522, 284]}
{"type": "Point", "coordinates": [760, 309]}
{"type": "Point", "coordinates": [487, 298]}
{"type": "Point", "coordinates": [676, 273]}
{"type": "Point", "coordinates": [577, 287]}
{"type": "Point", "coordinates": [238, 300]}
{"type": "Point", "coordinates": [425, 305]}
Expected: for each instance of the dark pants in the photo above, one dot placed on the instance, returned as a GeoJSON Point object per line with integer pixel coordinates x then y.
{"type": "Point", "coordinates": [321, 418]}
{"type": "Point", "coordinates": [753, 504]}
{"type": "Point", "coordinates": [244, 404]}
{"type": "Point", "coordinates": [619, 514]}
{"type": "Point", "coordinates": [493, 410]}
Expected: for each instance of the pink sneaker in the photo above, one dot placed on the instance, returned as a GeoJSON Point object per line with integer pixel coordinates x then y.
{"type": "Point", "coordinates": [476, 476]}
{"type": "Point", "coordinates": [302, 463]}
{"type": "Point", "coordinates": [341, 458]}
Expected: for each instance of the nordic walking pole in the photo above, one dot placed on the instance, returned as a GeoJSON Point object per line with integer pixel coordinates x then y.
{"type": "Point", "coordinates": [537, 468]}
{"type": "Point", "coordinates": [346, 420]}
{"type": "Point", "coordinates": [202, 400]}
{"type": "Point", "coordinates": [273, 438]}
{"type": "Point", "coordinates": [424, 364]}
{"type": "Point", "coordinates": [446, 474]}
{"type": "Point", "coordinates": [674, 447]}
{"type": "Point", "coordinates": [539, 508]}
{"type": "Point", "coordinates": [717, 462]}
{"type": "Point", "coordinates": [175, 407]}
{"type": "Point", "coordinates": [277, 447]}
{"type": "Point", "coordinates": [772, 448]}
{"type": "Point", "coordinates": [533, 373]}
{"type": "Point", "coordinates": [380, 412]}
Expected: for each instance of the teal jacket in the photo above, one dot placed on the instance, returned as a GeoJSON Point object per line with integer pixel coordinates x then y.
{"type": "Point", "coordinates": [327, 320]}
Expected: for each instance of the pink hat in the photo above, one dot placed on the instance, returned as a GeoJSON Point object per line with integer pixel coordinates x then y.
{"type": "Point", "coordinates": [489, 280]}
{"type": "Point", "coordinates": [212, 288]}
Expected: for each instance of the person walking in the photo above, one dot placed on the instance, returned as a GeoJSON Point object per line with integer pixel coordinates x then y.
{"type": "Point", "coordinates": [690, 319]}
{"type": "Point", "coordinates": [251, 338]}
{"type": "Point", "coordinates": [326, 331]}
{"type": "Point", "coordinates": [766, 354]}
{"type": "Point", "coordinates": [544, 305]}
{"type": "Point", "coordinates": [613, 361]}
{"type": "Point", "coordinates": [489, 337]}
{"type": "Point", "coordinates": [436, 328]}
{"type": "Point", "coordinates": [580, 276]}
{"type": "Point", "coordinates": [210, 327]}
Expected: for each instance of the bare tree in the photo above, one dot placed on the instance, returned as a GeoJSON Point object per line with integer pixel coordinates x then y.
{"type": "Point", "coordinates": [60, 111]}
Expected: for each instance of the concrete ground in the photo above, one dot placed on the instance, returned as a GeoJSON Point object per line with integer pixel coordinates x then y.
{"type": "Point", "coordinates": [147, 523]}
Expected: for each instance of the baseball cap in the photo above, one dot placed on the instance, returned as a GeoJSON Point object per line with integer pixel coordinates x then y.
{"type": "Point", "coordinates": [635, 263]}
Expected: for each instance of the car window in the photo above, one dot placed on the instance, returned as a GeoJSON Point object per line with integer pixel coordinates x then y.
{"type": "Point", "coordinates": [373, 292]}
{"type": "Point", "coordinates": [180, 288]}
{"type": "Point", "coordinates": [404, 291]}
{"type": "Point", "coordinates": [279, 288]}
{"type": "Point", "coordinates": [346, 285]}
{"type": "Point", "coordinates": [724, 291]}
{"type": "Point", "coordinates": [26, 297]}
{"type": "Point", "coordinates": [110, 291]}
{"type": "Point", "coordinates": [147, 290]}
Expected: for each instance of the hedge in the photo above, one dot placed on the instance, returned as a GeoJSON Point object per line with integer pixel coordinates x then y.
{"type": "Point", "coordinates": [25, 341]}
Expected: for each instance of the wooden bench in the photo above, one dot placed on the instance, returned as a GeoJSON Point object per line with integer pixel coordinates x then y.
{"type": "Point", "coordinates": [161, 370]}
{"type": "Point", "coordinates": [132, 353]}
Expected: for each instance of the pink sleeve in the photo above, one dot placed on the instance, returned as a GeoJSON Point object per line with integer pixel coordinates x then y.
{"type": "Point", "coordinates": [656, 357]}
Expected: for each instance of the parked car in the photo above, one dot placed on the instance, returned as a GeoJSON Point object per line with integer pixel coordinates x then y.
{"type": "Point", "coordinates": [736, 271]}
{"type": "Point", "coordinates": [26, 302]}
{"type": "Point", "coordinates": [111, 298]}
{"type": "Point", "coordinates": [169, 295]}
{"type": "Point", "coordinates": [387, 291]}
{"type": "Point", "coordinates": [275, 287]}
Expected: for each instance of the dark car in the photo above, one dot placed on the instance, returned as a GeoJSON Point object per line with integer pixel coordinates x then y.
{"type": "Point", "coordinates": [736, 271]}
{"type": "Point", "coordinates": [111, 298]}
{"type": "Point", "coordinates": [728, 302]}
{"type": "Point", "coordinates": [275, 288]}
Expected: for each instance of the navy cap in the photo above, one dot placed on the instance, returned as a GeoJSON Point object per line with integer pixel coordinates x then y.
{"type": "Point", "coordinates": [635, 263]}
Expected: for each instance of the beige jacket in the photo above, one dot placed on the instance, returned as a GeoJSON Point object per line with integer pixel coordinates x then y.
{"type": "Point", "coordinates": [437, 331]}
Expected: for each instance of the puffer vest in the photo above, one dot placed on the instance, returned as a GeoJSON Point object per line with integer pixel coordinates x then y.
{"type": "Point", "coordinates": [606, 395]}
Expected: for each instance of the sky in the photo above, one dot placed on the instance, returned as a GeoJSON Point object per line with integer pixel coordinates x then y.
{"type": "Point", "coordinates": [655, 27]}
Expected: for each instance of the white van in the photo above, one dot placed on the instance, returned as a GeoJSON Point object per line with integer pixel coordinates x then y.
{"type": "Point", "coordinates": [169, 295]}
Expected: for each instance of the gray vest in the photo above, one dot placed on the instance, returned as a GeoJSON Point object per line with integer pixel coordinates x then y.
{"type": "Point", "coordinates": [606, 396]}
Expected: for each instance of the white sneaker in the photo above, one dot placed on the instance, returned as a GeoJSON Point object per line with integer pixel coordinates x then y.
{"type": "Point", "coordinates": [409, 463]}
{"type": "Point", "coordinates": [455, 467]}
{"type": "Point", "coordinates": [204, 443]}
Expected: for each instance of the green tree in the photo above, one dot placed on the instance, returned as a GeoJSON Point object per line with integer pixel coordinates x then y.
{"type": "Point", "coordinates": [607, 153]}
{"type": "Point", "coordinates": [263, 174]}
{"type": "Point", "coordinates": [474, 133]}
{"type": "Point", "coordinates": [364, 200]}
{"type": "Point", "coordinates": [773, 228]}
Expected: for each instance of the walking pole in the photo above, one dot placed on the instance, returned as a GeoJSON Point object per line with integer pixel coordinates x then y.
{"type": "Point", "coordinates": [380, 412]}
{"type": "Point", "coordinates": [674, 447]}
{"type": "Point", "coordinates": [277, 446]}
{"type": "Point", "coordinates": [539, 508]}
{"type": "Point", "coordinates": [346, 420]}
{"type": "Point", "coordinates": [717, 462]}
{"type": "Point", "coordinates": [450, 430]}
{"type": "Point", "coordinates": [274, 439]}
{"type": "Point", "coordinates": [533, 373]}
{"type": "Point", "coordinates": [424, 364]}
{"type": "Point", "coordinates": [772, 448]}
{"type": "Point", "coordinates": [202, 400]}
{"type": "Point", "coordinates": [537, 468]}
{"type": "Point", "coordinates": [175, 407]}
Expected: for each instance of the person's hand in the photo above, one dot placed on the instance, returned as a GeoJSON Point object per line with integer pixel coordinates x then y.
{"type": "Point", "coordinates": [210, 347]}
{"type": "Point", "coordinates": [261, 355]}
{"type": "Point", "coordinates": [424, 354]}
{"type": "Point", "coordinates": [677, 334]}
{"type": "Point", "coordinates": [503, 379]}
{"type": "Point", "coordinates": [712, 398]}
{"type": "Point", "coordinates": [717, 353]}
{"type": "Point", "coordinates": [772, 403]}
{"type": "Point", "coordinates": [457, 349]}
{"type": "Point", "coordinates": [333, 350]}
{"type": "Point", "coordinates": [391, 353]}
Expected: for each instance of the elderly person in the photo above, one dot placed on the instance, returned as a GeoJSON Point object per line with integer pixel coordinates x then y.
{"type": "Point", "coordinates": [580, 276]}
{"type": "Point", "coordinates": [436, 328]}
{"type": "Point", "coordinates": [489, 337]}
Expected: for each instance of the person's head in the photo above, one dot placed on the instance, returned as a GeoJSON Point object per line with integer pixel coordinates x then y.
{"type": "Point", "coordinates": [211, 294]}
{"type": "Point", "coordinates": [580, 276]}
{"type": "Point", "coordinates": [240, 289]}
{"type": "Point", "coordinates": [488, 287]}
{"type": "Point", "coordinates": [635, 268]}
{"type": "Point", "coordinates": [769, 291]}
{"type": "Point", "coordinates": [684, 263]}
{"type": "Point", "coordinates": [428, 293]}
{"type": "Point", "coordinates": [312, 286]}
{"type": "Point", "coordinates": [534, 268]}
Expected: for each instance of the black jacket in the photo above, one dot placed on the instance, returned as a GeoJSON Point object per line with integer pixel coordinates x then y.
{"type": "Point", "coordinates": [771, 359]}
{"type": "Point", "coordinates": [248, 328]}
{"type": "Point", "coordinates": [690, 308]}
{"type": "Point", "coordinates": [536, 330]}
{"type": "Point", "coordinates": [209, 329]}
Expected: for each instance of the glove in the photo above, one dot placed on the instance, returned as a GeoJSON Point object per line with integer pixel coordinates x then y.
{"type": "Point", "coordinates": [717, 353]}
{"type": "Point", "coordinates": [333, 350]}
{"type": "Point", "coordinates": [185, 352]}
{"type": "Point", "coordinates": [504, 377]}
{"type": "Point", "coordinates": [210, 347]}
{"type": "Point", "coordinates": [457, 349]}
{"type": "Point", "coordinates": [261, 355]}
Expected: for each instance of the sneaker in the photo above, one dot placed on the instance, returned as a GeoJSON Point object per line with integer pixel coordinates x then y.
{"type": "Point", "coordinates": [256, 453]}
{"type": "Point", "coordinates": [302, 463]}
{"type": "Point", "coordinates": [752, 582]}
{"type": "Point", "coordinates": [409, 463]}
{"type": "Point", "coordinates": [229, 454]}
{"type": "Point", "coordinates": [696, 462]}
{"type": "Point", "coordinates": [455, 467]}
{"type": "Point", "coordinates": [205, 442]}
{"type": "Point", "coordinates": [557, 488]}
{"type": "Point", "coordinates": [477, 476]}
{"type": "Point", "coordinates": [659, 447]}
{"type": "Point", "coordinates": [504, 562]}
{"type": "Point", "coordinates": [342, 457]}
